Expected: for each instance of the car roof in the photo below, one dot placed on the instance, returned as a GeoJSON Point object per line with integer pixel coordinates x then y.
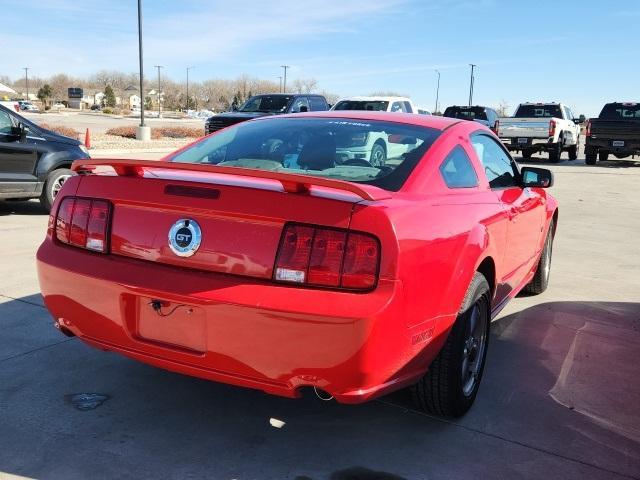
{"type": "Point", "coordinates": [374, 99]}
{"type": "Point", "coordinates": [430, 121]}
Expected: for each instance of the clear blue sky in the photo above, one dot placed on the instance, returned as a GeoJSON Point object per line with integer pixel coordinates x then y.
{"type": "Point", "coordinates": [583, 53]}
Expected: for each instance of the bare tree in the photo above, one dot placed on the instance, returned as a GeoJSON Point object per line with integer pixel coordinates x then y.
{"type": "Point", "coordinates": [304, 85]}
{"type": "Point", "coordinates": [503, 108]}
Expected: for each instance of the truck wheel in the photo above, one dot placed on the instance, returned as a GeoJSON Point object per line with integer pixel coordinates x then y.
{"type": "Point", "coordinates": [450, 385]}
{"type": "Point", "coordinates": [590, 158]}
{"type": "Point", "coordinates": [52, 186]}
{"type": "Point", "coordinates": [555, 152]}
{"type": "Point", "coordinates": [378, 155]}
{"type": "Point", "coordinates": [603, 156]}
{"type": "Point", "coordinates": [540, 280]}
{"type": "Point", "coordinates": [573, 152]}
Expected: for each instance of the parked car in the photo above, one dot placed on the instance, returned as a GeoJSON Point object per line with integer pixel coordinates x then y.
{"type": "Point", "coordinates": [373, 148]}
{"type": "Point", "coordinates": [96, 107]}
{"type": "Point", "coordinates": [265, 105]}
{"type": "Point", "coordinates": [223, 263]}
{"type": "Point", "coordinates": [615, 132]}
{"type": "Point", "coordinates": [26, 106]}
{"type": "Point", "coordinates": [477, 113]}
{"type": "Point", "coordinates": [34, 162]}
{"type": "Point", "coordinates": [423, 111]}
{"type": "Point", "coordinates": [377, 104]}
{"type": "Point", "coordinates": [542, 127]}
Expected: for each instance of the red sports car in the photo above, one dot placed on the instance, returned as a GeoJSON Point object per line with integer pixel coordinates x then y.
{"type": "Point", "coordinates": [276, 255]}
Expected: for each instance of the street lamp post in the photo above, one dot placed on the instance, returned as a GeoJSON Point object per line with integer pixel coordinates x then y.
{"type": "Point", "coordinates": [437, 93]}
{"type": "Point", "coordinates": [159, 106]}
{"type": "Point", "coordinates": [280, 78]}
{"type": "Point", "coordinates": [26, 79]}
{"type": "Point", "coordinates": [188, 68]}
{"type": "Point", "coordinates": [284, 87]}
{"type": "Point", "coordinates": [143, 132]}
{"type": "Point", "coordinates": [473, 66]}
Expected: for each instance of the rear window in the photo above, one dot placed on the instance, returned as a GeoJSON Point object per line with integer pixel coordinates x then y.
{"type": "Point", "coordinates": [617, 111]}
{"type": "Point", "coordinates": [373, 152]}
{"type": "Point", "coordinates": [377, 106]}
{"type": "Point", "coordinates": [466, 113]}
{"type": "Point", "coordinates": [538, 111]}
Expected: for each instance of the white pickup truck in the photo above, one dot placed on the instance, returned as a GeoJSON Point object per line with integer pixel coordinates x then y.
{"type": "Point", "coordinates": [541, 127]}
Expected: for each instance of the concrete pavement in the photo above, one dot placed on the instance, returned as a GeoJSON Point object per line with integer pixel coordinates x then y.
{"type": "Point", "coordinates": [560, 397]}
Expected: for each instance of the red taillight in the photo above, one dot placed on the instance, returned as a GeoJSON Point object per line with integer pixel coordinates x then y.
{"type": "Point", "coordinates": [327, 257]}
{"type": "Point", "coordinates": [588, 130]}
{"type": "Point", "coordinates": [83, 222]}
{"type": "Point", "coordinates": [552, 128]}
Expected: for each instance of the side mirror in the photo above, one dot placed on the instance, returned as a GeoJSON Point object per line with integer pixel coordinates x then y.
{"type": "Point", "coordinates": [536, 177]}
{"type": "Point", "coordinates": [304, 108]}
{"type": "Point", "coordinates": [581, 119]}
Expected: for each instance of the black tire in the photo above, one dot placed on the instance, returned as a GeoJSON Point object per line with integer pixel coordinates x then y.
{"type": "Point", "coordinates": [590, 158]}
{"type": "Point", "coordinates": [540, 280]}
{"type": "Point", "coordinates": [445, 390]}
{"type": "Point", "coordinates": [52, 186]}
{"type": "Point", "coordinates": [555, 152]}
{"type": "Point", "coordinates": [526, 154]}
{"type": "Point", "coordinates": [378, 155]}
{"type": "Point", "coordinates": [573, 152]}
{"type": "Point", "coordinates": [603, 156]}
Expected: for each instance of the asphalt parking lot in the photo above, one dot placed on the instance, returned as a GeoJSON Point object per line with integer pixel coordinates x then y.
{"type": "Point", "coordinates": [560, 397]}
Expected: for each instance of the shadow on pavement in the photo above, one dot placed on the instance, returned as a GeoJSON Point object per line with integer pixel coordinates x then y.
{"type": "Point", "coordinates": [26, 207]}
{"type": "Point", "coordinates": [580, 162]}
{"type": "Point", "coordinates": [560, 395]}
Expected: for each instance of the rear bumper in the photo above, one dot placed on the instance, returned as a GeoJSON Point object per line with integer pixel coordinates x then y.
{"type": "Point", "coordinates": [251, 333]}
{"type": "Point", "coordinates": [535, 144]}
{"type": "Point", "coordinates": [630, 147]}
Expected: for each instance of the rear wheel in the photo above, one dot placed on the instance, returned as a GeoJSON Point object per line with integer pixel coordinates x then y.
{"type": "Point", "coordinates": [451, 384]}
{"type": "Point", "coordinates": [590, 158]}
{"type": "Point", "coordinates": [52, 186]}
{"type": "Point", "coordinates": [526, 154]}
{"type": "Point", "coordinates": [555, 152]}
{"type": "Point", "coordinates": [378, 155]}
{"type": "Point", "coordinates": [573, 152]}
{"type": "Point", "coordinates": [540, 280]}
{"type": "Point", "coordinates": [603, 156]}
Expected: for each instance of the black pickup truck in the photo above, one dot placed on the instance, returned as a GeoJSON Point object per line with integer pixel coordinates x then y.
{"type": "Point", "coordinates": [615, 132]}
{"type": "Point", "coordinates": [263, 105]}
{"type": "Point", "coordinates": [34, 161]}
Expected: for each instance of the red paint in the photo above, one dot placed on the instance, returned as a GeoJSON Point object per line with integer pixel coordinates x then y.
{"type": "Point", "coordinates": [234, 323]}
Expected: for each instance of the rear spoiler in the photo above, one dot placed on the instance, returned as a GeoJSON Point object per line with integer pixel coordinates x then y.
{"type": "Point", "coordinates": [291, 182]}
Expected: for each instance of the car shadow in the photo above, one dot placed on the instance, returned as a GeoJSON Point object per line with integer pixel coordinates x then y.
{"type": "Point", "coordinates": [559, 394]}
{"type": "Point", "coordinates": [21, 207]}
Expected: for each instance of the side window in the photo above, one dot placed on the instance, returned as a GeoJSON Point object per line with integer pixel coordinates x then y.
{"type": "Point", "coordinates": [407, 107]}
{"type": "Point", "coordinates": [5, 123]}
{"type": "Point", "coordinates": [397, 107]}
{"type": "Point", "coordinates": [298, 103]}
{"type": "Point", "coordinates": [317, 104]}
{"type": "Point", "coordinates": [498, 166]}
{"type": "Point", "coordinates": [457, 171]}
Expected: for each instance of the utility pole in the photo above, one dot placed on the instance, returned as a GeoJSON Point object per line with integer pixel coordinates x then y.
{"type": "Point", "coordinates": [284, 87]}
{"type": "Point", "coordinates": [188, 68]}
{"type": "Point", "coordinates": [280, 78]}
{"type": "Point", "coordinates": [26, 79]}
{"type": "Point", "coordinates": [143, 132]}
{"type": "Point", "coordinates": [473, 66]}
{"type": "Point", "coordinates": [159, 107]}
{"type": "Point", "coordinates": [437, 93]}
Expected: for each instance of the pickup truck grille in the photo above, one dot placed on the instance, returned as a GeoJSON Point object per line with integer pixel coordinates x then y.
{"type": "Point", "coordinates": [215, 124]}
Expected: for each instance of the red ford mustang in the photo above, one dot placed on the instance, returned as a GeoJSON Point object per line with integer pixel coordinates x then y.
{"type": "Point", "coordinates": [275, 254]}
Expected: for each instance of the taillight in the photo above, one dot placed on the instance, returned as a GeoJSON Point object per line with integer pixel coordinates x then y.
{"type": "Point", "coordinates": [327, 257]}
{"type": "Point", "coordinates": [552, 128]}
{"type": "Point", "coordinates": [588, 130]}
{"type": "Point", "coordinates": [83, 222]}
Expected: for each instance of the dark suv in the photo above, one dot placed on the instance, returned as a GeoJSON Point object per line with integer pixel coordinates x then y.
{"type": "Point", "coordinates": [34, 161]}
{"type": "Point", "coordinates": [484, 115]}
{"type": "Point", "coordinates": [615, 132]}
{"type": "Point", "coordinates": [270, 104]}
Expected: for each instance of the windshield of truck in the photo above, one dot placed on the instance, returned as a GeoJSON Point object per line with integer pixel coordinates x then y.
{"type": "Point", "coordinates": [538, 111]}
{"type": "Point", "coordinates": [368, 151]}
{"type": "Point", "coordinates": [466, 113]}
{"type": "Point", "coordinates": [373, 105]}
{"type": "Point", "coordinates": [267, 104]}
{"type": "Point", "coordinates": [617, 111]}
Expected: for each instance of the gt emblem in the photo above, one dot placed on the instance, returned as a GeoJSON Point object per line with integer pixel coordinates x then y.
{"type": "Point", "coordinates": [185, 237]}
